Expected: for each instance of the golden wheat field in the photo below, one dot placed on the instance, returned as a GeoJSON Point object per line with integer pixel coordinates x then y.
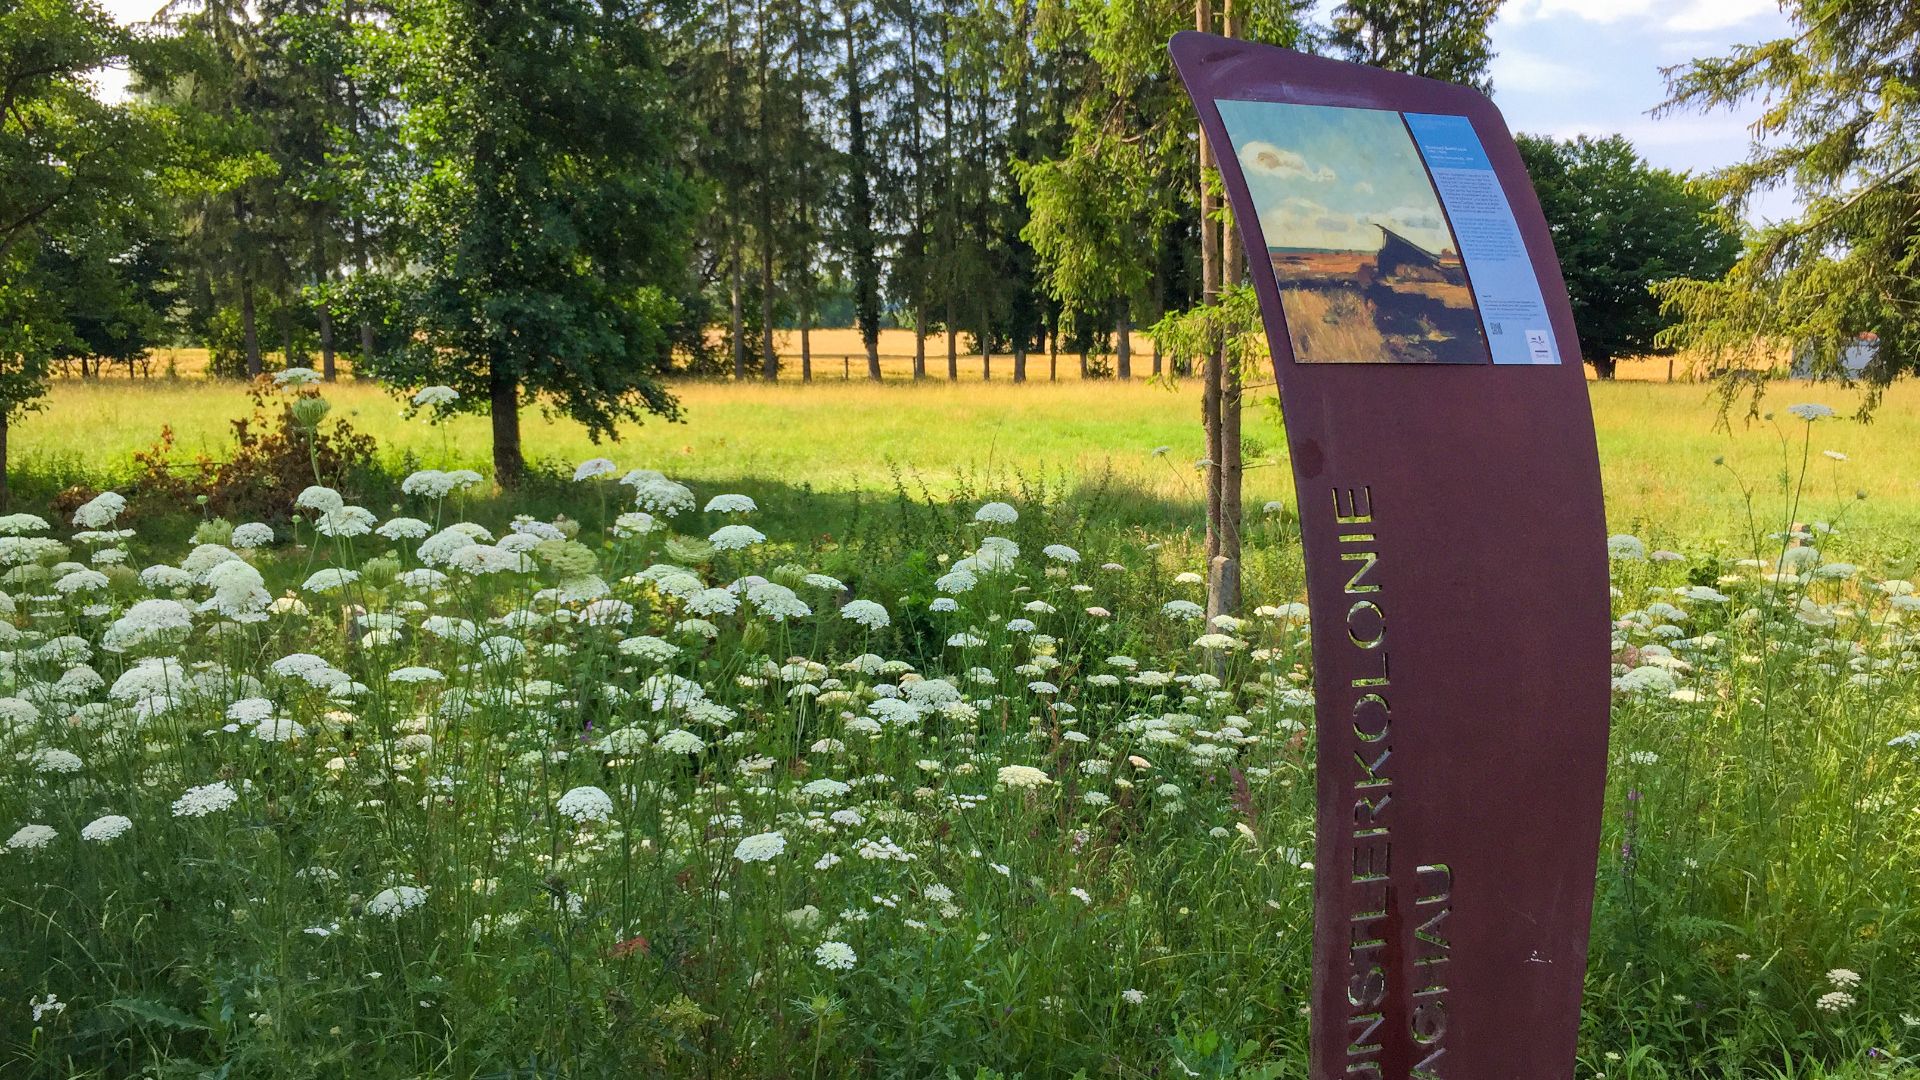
{"type": "Point", "coordinates": [839, 355]}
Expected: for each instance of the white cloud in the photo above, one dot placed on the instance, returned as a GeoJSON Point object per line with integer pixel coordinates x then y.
{"type": "Point", "coordinates": [1718, 14]}
{"type": "Point", "coordinates": [1266, 159]}
{"type": "Point", "coordinates": [1600, 11]}
{"type": "Point", "coordinates": [1714, 138]}
{"type": "Point", "coordinates": [1681, 15]}
{"type": "Point", "coordinates": [1524, 72]}
{"type": "Point", "coordinates": [127, 12]}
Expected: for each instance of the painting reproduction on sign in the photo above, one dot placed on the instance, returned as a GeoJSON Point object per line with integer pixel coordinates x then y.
{"type": "Point", "coordinates": [1366, 264]}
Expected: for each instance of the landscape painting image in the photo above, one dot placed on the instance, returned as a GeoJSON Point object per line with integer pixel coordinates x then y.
{"type": "Point", "coordinates": [1367, 267]}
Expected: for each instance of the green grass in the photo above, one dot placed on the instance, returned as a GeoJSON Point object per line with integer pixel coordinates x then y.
{"type": "Point", "coordinates": [1658, 442]}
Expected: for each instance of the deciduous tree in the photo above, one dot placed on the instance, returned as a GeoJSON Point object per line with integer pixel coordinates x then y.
{"type": "Point", "coordinates": [1621, 227]}
{"type": "Point", "coordinates": [548, 226]}
{"type": "Point", "coordinates": [73, 170]}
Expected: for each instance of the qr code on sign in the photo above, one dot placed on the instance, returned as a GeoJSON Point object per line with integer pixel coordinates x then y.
{"type": "Point", "coordinates": [1493, 329]}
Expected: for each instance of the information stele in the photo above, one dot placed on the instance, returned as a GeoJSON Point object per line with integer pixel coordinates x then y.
{"type": "Point", "coordinates": [1450, 509]}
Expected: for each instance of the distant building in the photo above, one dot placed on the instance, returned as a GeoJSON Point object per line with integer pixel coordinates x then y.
{"type": "Point", "coordinates": [1853, 359]}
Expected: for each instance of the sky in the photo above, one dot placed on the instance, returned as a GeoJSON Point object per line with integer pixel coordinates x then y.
{"type": "Point", "coordinates": [1592, 67]}
{"type": "Point", "coordinates": [1322, 177]}
{"type": "Point", "coordinates": [1568, 67]}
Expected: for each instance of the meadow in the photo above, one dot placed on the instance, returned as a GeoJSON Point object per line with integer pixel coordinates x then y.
{"type": "Point", "coordinates": [877, 731]}
{"type": "Point", "coordinates": [1671, 466]}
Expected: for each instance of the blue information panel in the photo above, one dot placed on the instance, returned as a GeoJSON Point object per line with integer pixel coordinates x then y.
{"type": "Point", "coordinates": [1511, 307]}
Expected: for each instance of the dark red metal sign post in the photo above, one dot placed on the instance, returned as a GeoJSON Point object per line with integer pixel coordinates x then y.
{"type": "Point", "coordinates": [1449, 488]}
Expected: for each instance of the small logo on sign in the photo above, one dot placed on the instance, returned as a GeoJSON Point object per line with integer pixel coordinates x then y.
{"type": "Point", "coordinates": [1539, 348]}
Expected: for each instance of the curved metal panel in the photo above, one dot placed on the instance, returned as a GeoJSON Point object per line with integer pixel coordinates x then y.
{"type": "Point", "coordinates": [1454, 537]}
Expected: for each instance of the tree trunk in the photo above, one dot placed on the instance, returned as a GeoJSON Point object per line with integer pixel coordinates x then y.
{"type": "Point", "coordinates": [1123, 344]}
{"type": "Point", "coordinates": [323, 314]}
{"type": "Point", "coordinates": [919, 342]}
{"type": "Point", "coordinates": [327, 371]}
{"type": "Point", "coordinates": [249, 333]}
{"type": "Point", "coordinates": [953, 345]}
{"type": "Point", "coordinates": [1223, 591]}
{"type": "Point", "coordinates": [1019, 361]}
{"type": "Point", "coordinates": [738, 323]}
{"type": "Point", "coordinates": [769, 360]}
{"type": "Point", "coordinates": [1223, 579]}
{"type": "Point", "coordinates": [1210, 295]}
{"type": "Point", "coordinates": [1210, 419]}
{"type": "Point", "coordinates": [6, 488]}
{"type": "Point", "coordinates": [1053, 350]}
{"type": "Point", "coordinates": [1604, 367]}
{"type": "Point", "coordinates": [358, 222]}
{"type": "Point", "coordinates": [1159, 305]}
{"type": "Point", "coordinates": [509, 467]}
{"type": "Point", "coordinates": [806, 342]}
{"type": "Point", "coordinates": [873, 355]}
{"type": "Point", "coordinates": [986, 348]}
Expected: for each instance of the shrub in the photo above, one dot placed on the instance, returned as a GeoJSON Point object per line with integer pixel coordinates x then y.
{"type": "Point", "coordinates": [274, 456]}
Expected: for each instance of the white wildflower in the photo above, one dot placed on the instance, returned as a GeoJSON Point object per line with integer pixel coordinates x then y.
{"type": "Point", "coordinates": [866, 613]}
{"type": "Point", "coordinates": [102, 829]}
{"type": "Point", "coordinates": [835, 956]}
{"type": "Point", "coordinates": [101, 511]}
{"type": "Point", "coordinates": [1022, 776]}
{"type": "Point", "coordinates": [593, 467]}
{"type": "Point", "coordinates": [391, 903]}
{"type": "Point", "coordinates": [736, 537]}
{"type": "Point", "coordinates": [253, 534]}
{"type": "Point", "coordinates": [760, 847]}
{"type": "Point", "coordinates": [32, 838]}
{"type": "Point", "coordinates": [205, 799]}
{"type": "Point", "coordinates": [584, 804]}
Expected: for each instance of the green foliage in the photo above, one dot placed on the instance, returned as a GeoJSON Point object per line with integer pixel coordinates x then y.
{"type": "Point", "coordinates": [143, 1010]}
{"type": "Point", "coordinates": [1838, 127]}
{"type": "Point", "coordinates": [1438, 39]}
{"type": "Point", "coordinates": [547, 221]}
{"type": "Point", "coordinates": [113, 288]}
{"type": "Point", "coordinates": [69, 179]}
{"type": "Point", "coordinates": [1622, 227]}
{"type": "Point", "coordinates": [1088, 208]}
{"type": "Point", "coordinates": [1083, 227]}
{"type": "Point", "coordinates": [1233, 324]}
